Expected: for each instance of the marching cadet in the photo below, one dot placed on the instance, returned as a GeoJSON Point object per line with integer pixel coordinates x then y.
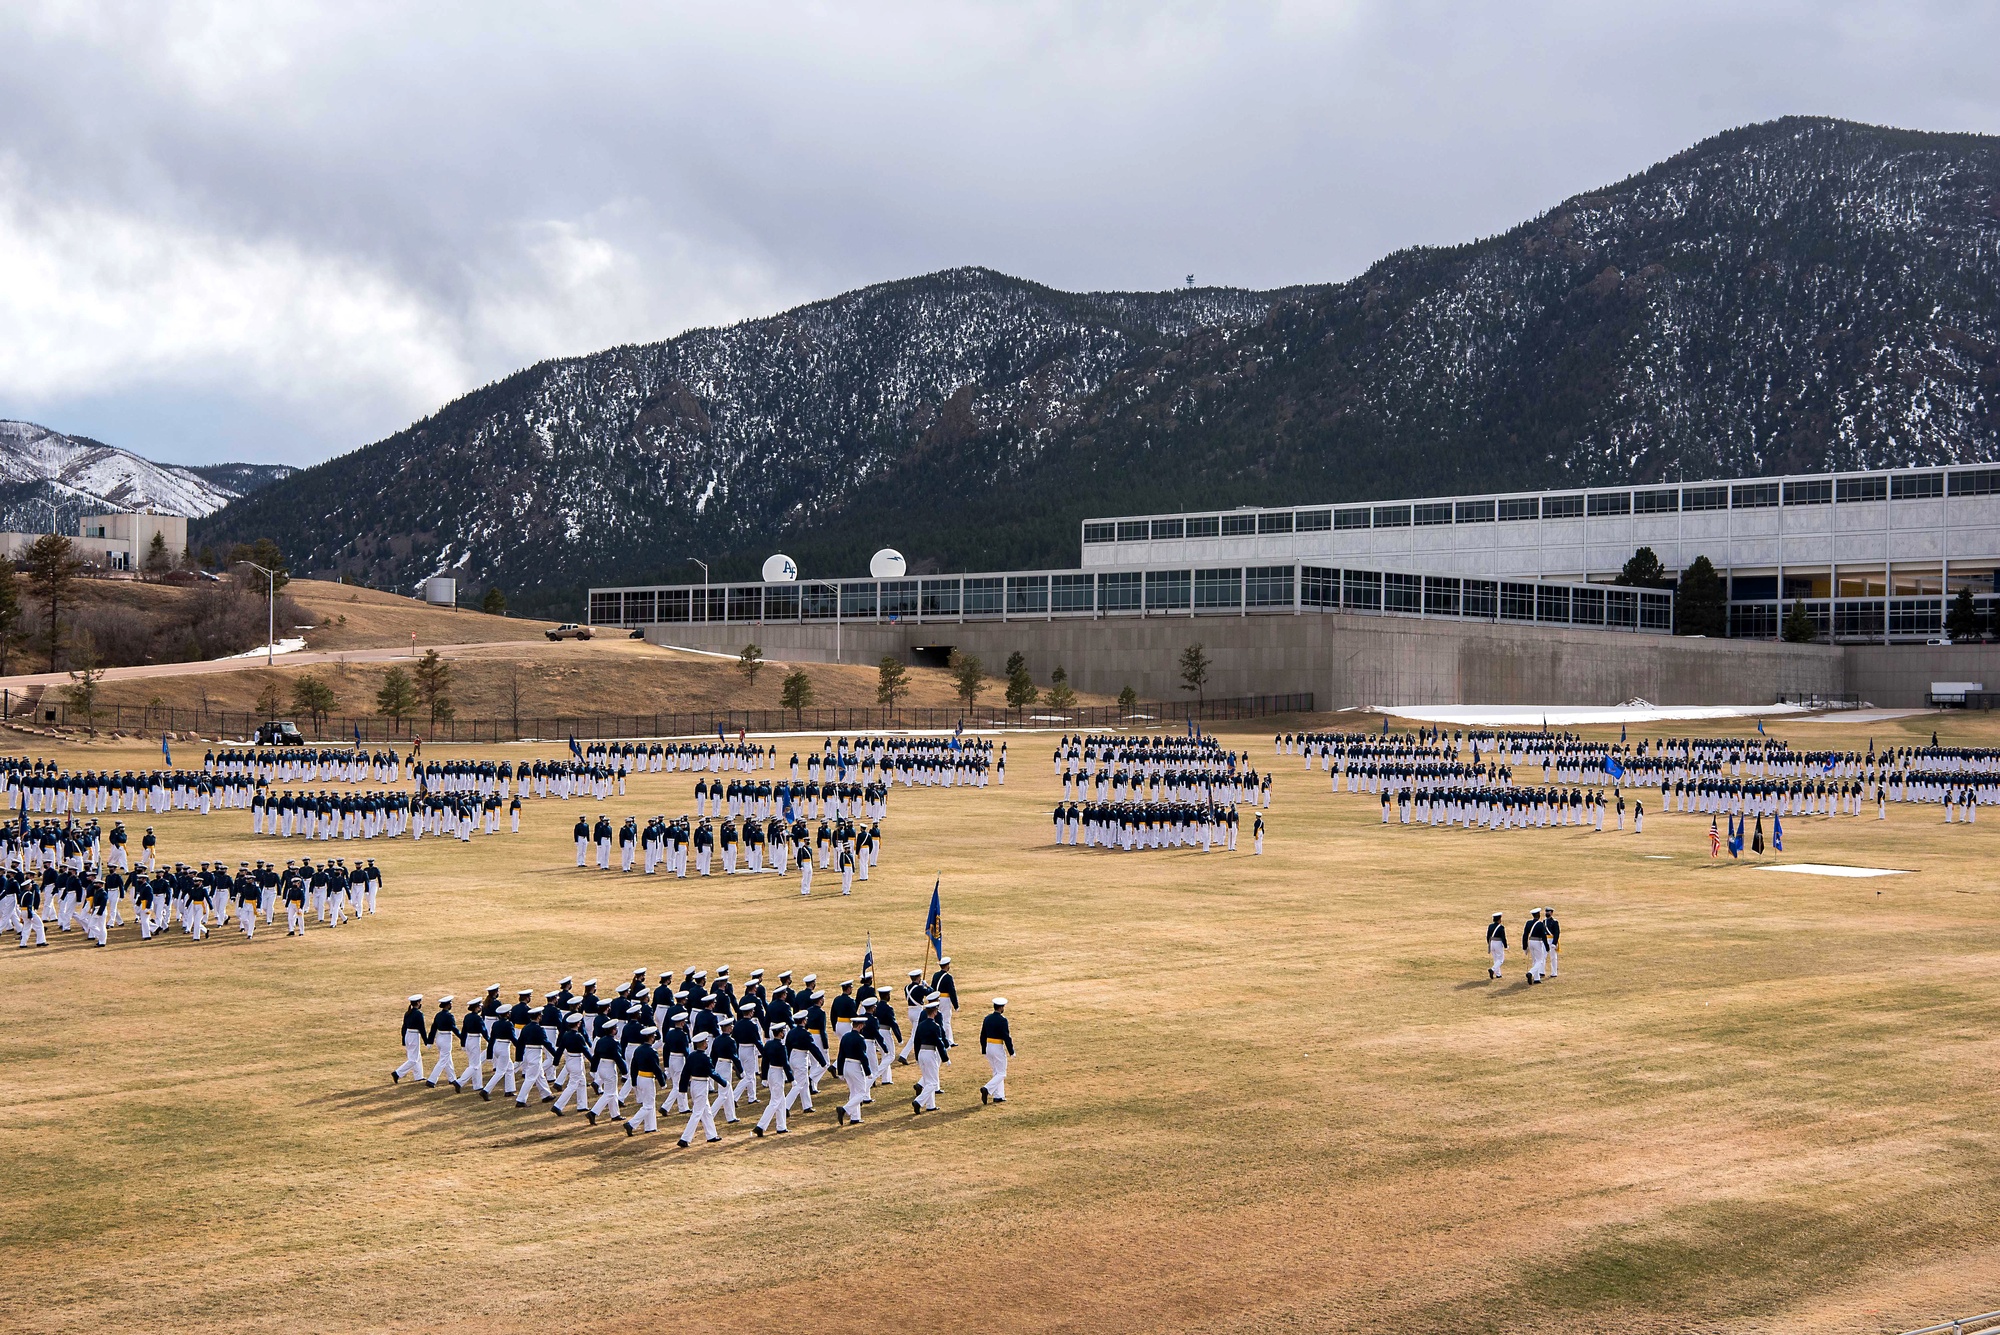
{"type": "Point", "coordinates": [846, 871]}
{"type": "Point", "coordinates": [915, 993]}
{"type": "Point", "coordinates": [514, 814]}
{"type": "Point", "coordinates": [773, 1061]}
{"type": "Point", "coordinates": [571, 1050]}
{"type": "Point", "coordinates": [726, 1056]}
{"type": "Point", "coordinates": [414, 1035]}
{"type": "Point", "coordinates": [851, 1065]}
{"type": "Point", "coordinates": [582, 833]}
{"type": "Point", "coordinates": [534, 1050]}
{"type": "Point", "coordinates": [997, 1042]}
{"type": "Point", "coordinates": [444, 1032]}
{"type": "Point", "coordinates": [800, 1054]}
{"type": "Point", "coordinates": [1496, 946]}
{"type": "Point", "coordinates": [473, 1030]}
{"type": "Point", "coordinates": [1257, 835]}
{"type": "Point", "coordinates": [646, 1076]}
{"type": "Point", "coordinates": [1551, 938]}
{"type": "Point", "coordinates": [500, 1039]}
{"type": "Point", "coordinates": [945, 992]}
{"type": "Point", "coordinates": [697, 1080]}
{"type": "Point", "coordinates": [1532, 942]}
{"type": "Point", "coordinates": [931, 1045]}
{"type": "Point", "coordinates": [888, 1034]}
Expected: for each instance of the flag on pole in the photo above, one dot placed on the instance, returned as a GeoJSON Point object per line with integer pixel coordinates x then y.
{"type": "Point", "coordinates": [1760, 727]}
{"type": "Point", "coordinates": [164, 751]}
{"type": "Point", "coordinates": [1621, 734]}
{"type": "Point", "coordinates": [357, 734]}
{"type": "Point", "coordinates": [1714, 839]}
{"type": "Point", "coordinates": [1735, 837]}
{"type": "Point", "coordinates": [1613, 767]}
{"type": "Point", "coordinates": [934, 921]}
{"type": "Point", "coordinates": [1777, 834]}
{"type": "Point", "coordinates": [574, 749]}
{"type": "Point", "coordinates": [868, 958]}
{"type": "Point", "coordinates": [1385, 725]}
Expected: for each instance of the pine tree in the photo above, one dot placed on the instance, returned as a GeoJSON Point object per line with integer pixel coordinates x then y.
{"type": "Point", "coordinates": [1961, 621]}
{"type": "Point", "coordinates": [1020, 686]}
{"type": "Point", "coordinates": [968, 677]}
{"type": "Point", "coordinates": [395, 699]}
{"type": "Point", "coordinates": [1799, 627]}
{"type": "Point", "coordinates": [892, 682]}
{"type": "Point", "coordinates": [1701, 604]}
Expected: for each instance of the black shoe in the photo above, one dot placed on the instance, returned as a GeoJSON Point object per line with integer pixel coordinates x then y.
{"type": "Point", "coordinates": [683, 1144]}
{"type": "Point", "coordinates": [432, 1083]}
{"type": "Point", "coordinates": [998, 1099]}
{"type": "Point", "coordinates": [757, 1131]}
{"type": "Point", "coordinates": [985, 1094]}
{"type": "Point", "coordinates": [556, 1111]}
{"type": "Point", "coordinates": [628, 1128]}
{"type": "Point", "coordinates": [840, 1115]}
{"type": "Point", "coordinates": [915, 1107]}
{"type": "Point", "coordinates": [395, 1078]}
{"type": "Point", "coordinates": [484, 1095]}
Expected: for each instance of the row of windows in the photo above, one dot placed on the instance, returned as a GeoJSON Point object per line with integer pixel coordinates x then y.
{"type": "Point", "coordinates": [1218, 590]}
{"type": "Point", "coordinates": [1659, 500]}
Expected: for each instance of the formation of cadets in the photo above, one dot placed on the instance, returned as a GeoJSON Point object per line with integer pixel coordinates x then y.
{"type": "Point", "coordinates": [1126, 826]}
{"type": "Point", "coordinates": [771, 846]}
{"type": "Point", "coordinates": [1118, 769]}
{"type": "Point", "coordinates": [76, 894]}
{"type": "Point", "coordinates": [1541, 938]}
{"type": "Point", "coordinates": [700, 1048]}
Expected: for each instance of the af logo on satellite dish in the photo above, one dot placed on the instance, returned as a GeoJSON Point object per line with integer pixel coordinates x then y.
{"type": "Point", "coordinates": [887, 564]}
{"type": "Point", "coordinates": [780, 569]}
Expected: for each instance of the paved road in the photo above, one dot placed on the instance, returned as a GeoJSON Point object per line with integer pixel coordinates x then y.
{"type": "Point", "coordinates": [239, 664]}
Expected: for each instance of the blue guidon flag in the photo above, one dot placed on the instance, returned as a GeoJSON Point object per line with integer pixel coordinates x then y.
{"type": "Point", "coordinates": [577, 751]}
{"type": "Point", "coordinates": [934, 922]}
{"type": "Point", "coordinates": [163, 751]}
{"type": "Point", "coordinates": [868, 958]}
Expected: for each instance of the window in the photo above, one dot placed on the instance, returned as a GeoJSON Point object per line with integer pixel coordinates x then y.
{"type": "Point", "coordinates": [1402, 593]}
{"type": "Point", "coordinates": [1315, 521]}
{"type": "Point", "coordinates": [1610, 503]}
{"type": "Point", "coordinates": [1319, 587]}
{"type": "Point", "coordinates": [1267, 586]}
{"type": "Point", "coordinates": [1027, 595]}
{"type": "Point", "coordinates": [1100, 532]}
{"type": "Point", "coordinates": [708, 604]}
{"type": "Point", "coordinates": [1204, 526]}
{"type": "Point", "coordinates": [1235, 526]}
{"type": "Point", "coordinates": [1551, 603]}
{"type": "Point", "coordinates": [1753, 496]}
{"type": "Point", "coordinates": [1118, 592]}
{"type": "Point", "coordinates": [1167, 590]}
{"type": "Point", "coordinates": [1753, 621]}
{"type": "Point", "coordinates": [1479, 598]}
{"type": "Point", "coordinates": [1521, 507]}
{"type": "Point", "coordinates": [940, 598]}
{"type": "Point", "coordinates": [1656, 502]}
{"type": "Point", "coordinates": [1392, 516]}
{"type": "Point", "coordinates": [746, 604]}
{"type": "Point", "coordinates": [605, 608]}
{"type": "Point", "coordinates": [1166, 528]}
{"type": "Point", "coordinates": [1070, 593]}
{"type": "Point", "coordinates": [1704, 498]}
{"type": "Point", "coordinates": [1474, 512]}
{"type": "Point", "coordinates": [1586, 607]}
{"type": "Point", "coordinates": [1916, 487]}
{"type": "Point", "coordinates": [1433, 514]}
{"type": "Point", "coordinates": [1915, 616]}
{"type": "Point", "coordinates": [858, 599]}
{"type": "Point", "coordinates": [1440, 596]}
{"type": "Point", "coordinates": [1355, 518]}
{"type": "Point", "coordinates": [1813, 491]}
{"type": "Point", "coordinates": [983, 596]}
{"type": "Point", "coordinates": [1656, 610]}
{"type": "Point", "coordinates": [1517, 602]}
{"type": "Point", "coordinates": [639, 608]}
{"type": "Point", "coordinates": [899, 598]}
{"type": "Point", "coordinates": [1972, 482]}
{"type": "Point", "coordinates": [1280, 522]}
{"type": "Point", "coordinates": [1562, 507]}
{"type": "Point", "coordinates": [1132, 530]}
{"type": "Point", "coordinates": [1859, 620]}
{"type": "Point", "coordinates": [673, 605]}
{"type": "Point", "coordinates": [1361, 590]}
{"type": "Point", "coordinates": [818, 602]}
{"type": "Point", "coordinates": [1621, 608]}
{"type": "Point", "coordinates": [1218, 588]}
{"type": "Point", "coordinates": [1860, 489]}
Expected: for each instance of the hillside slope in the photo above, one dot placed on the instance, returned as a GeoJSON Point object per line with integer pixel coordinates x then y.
{"type": "Point", "coordinates": [1801, 294]}
{"type": "Point", "coordinates": [78, 475]}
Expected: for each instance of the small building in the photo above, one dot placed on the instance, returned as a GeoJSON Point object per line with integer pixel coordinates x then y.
{"type": "Point", "coordinates": [112, 541]}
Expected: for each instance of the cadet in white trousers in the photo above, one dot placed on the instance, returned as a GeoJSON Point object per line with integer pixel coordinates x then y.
{"type": "Point", "coordinates": [444, 1032]}
{"type": "Point", "coordinates": [413, 1034]}
{"type": "Point", "coordinates": [997, 1042]}
{"type": "Point", "coordinates": [1496, 946]}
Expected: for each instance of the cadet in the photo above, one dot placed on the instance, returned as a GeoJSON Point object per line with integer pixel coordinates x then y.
{"type": "Point", "coordinates": [945, 992]}
{"type": "Point", "coordinates": [773, 1060]}
{"type": "Point", "coordinates": [851, 1064]}
{"type": "Point", "coordinates": [697, 1079]}
{"type": "Point", "coordinates": [998, 1044]}
{"type": "Point", "coordinates": [1532, 942]}
{"type": "Point", "coordinates": [1552, 936]}
{"type": "Point", "coordinates": [1496, 945]}
{"type": "Point", "coordinates": [414, 1035]}
{"type": "Point", "coordinates": [444, 1032]}
{"type": "Point", "coordinates": [931, 1046]}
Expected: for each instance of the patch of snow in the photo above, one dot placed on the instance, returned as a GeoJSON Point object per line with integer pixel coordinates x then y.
{"type": "Point", "coordinates": [1829, 869]}
{"type": "Point", "coordinates": [288, 645]}
{"type": "Point", "coordinates": [1557, 716]}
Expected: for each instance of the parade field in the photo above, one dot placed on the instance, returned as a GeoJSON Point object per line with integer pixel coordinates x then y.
{"type": "Point", "coordinates": [1250, 1093]}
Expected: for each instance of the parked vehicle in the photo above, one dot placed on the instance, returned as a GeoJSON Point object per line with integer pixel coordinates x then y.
{"type": "Point", "coordinates": [279, 734]}
{"type": "Point", "coordinates": [569, 630]}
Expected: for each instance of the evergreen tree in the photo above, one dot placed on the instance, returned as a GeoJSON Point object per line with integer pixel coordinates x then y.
{"type": "Point", "coordinates": [796, 694]}
{"type": "Point", "coordinates": [892, 682]}
{"type": "Point", "coordinates": [1643, 570]}
{"type": "Point", "coordinates": [433, 682]}
{"type": "Point", "coordinates": [53, 566]}
{"type": "Point", "coordinates": [312, 697]}
{"type": "Point", "coordinates": [1799, 627]}
{"type": "Point", "coordinates": [1060, 695]}
{"type": "Point", "coordinates": [1195, 663]}
{"type": "Point", "coordinates": [11, 637]}
{"type": "Point", "coordinates": [1020, 686]}
{"type": "Point", "coordinates": [158, 559]}
{"type": "Point", "coordinates": [968, 677]}
{"type": "Point", "coordinates": [1961, 621]}
{"type": "Point", "coordinates": [750, 662]}
{"type": "Point", "coordinates": [494, 603]}
{"type": "Point", "coordinates": [1701, 604]}
{"type": "Point", "coordinates": [395, 699]}
{"type": "Point", "coordinates": [1128, 699]}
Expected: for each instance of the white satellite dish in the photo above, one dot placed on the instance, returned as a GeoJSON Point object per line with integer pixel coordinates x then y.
{"type": "Point", "coordinates": [887, 564]}
{"type": "Point", "coordinates": [780, 569]}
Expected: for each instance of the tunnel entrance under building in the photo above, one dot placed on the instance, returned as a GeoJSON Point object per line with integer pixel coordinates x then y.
{"type": "Point", "coordinates": [930, 655]}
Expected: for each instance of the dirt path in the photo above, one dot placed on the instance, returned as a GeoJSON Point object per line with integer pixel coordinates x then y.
{"type": "Point", "coordinates": [303, 658]}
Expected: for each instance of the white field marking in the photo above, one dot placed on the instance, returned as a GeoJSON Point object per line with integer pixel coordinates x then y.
{"type": "Point", "coordinates": [285, 646]}
{"type": "Point", "coordinates": [1829, 869]}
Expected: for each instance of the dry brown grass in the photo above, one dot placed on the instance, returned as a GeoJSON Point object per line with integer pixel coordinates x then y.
{"type": "Point", "coordinates": [369, 619]}
{"type": "Point", "coordinates": [1252, 1094]}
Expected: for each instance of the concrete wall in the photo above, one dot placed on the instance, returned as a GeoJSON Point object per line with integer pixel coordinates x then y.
{"type": "Point", "coordinates": [1343, 660]}
{"type": "Point", "coordinates": [1900, 675]}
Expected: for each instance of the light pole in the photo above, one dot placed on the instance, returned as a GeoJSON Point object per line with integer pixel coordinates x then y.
{"type": "Point", "coordinates": [704, 585]}
{"type": "Point", "coordinates": [270, 610]}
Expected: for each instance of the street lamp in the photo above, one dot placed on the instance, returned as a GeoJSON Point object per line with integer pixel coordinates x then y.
{"type": "Point", "coordinates": [270, 610]}
{"type": "Point", "coordinates": [704, 569]}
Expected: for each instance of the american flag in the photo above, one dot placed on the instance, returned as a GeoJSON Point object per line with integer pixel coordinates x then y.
{"type": "Point", "coordinates": [1714, 839]}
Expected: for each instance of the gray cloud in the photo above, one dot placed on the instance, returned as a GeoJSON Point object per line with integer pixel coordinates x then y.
{"type": "Point", "coordinates": [279, 231]}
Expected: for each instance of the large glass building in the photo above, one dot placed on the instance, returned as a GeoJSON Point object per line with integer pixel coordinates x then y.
{"type": "Point", "coordinates": [1872, 556]}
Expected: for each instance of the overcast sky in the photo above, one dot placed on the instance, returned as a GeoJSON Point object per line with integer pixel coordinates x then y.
{"type": "Point", "coordinates": [278, 231]}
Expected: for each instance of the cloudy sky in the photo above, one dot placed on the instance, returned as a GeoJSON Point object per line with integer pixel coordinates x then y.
{"type": "Point", "coordinates": [277, 231]}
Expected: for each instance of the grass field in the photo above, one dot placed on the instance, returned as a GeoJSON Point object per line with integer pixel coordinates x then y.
{"type": "Point", "coordinates": [1251, 1094]}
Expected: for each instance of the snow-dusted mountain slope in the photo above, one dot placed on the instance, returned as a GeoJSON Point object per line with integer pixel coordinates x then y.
{"type": "Point", "coordinates": [81, 475]}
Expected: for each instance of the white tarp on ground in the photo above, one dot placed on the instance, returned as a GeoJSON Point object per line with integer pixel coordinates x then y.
{"type": "Point", "coordinates": [1829, 869]}
{"type": "Point", "coordinates": [1562, 716]}
{"type": "Point", "coordinates": [288, 646]}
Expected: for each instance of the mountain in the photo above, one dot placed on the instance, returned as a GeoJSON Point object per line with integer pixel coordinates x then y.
{"type": "Point", "coordinates": [79, 476]}
{"type": "Point", "coordinates": [1804, 294]}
